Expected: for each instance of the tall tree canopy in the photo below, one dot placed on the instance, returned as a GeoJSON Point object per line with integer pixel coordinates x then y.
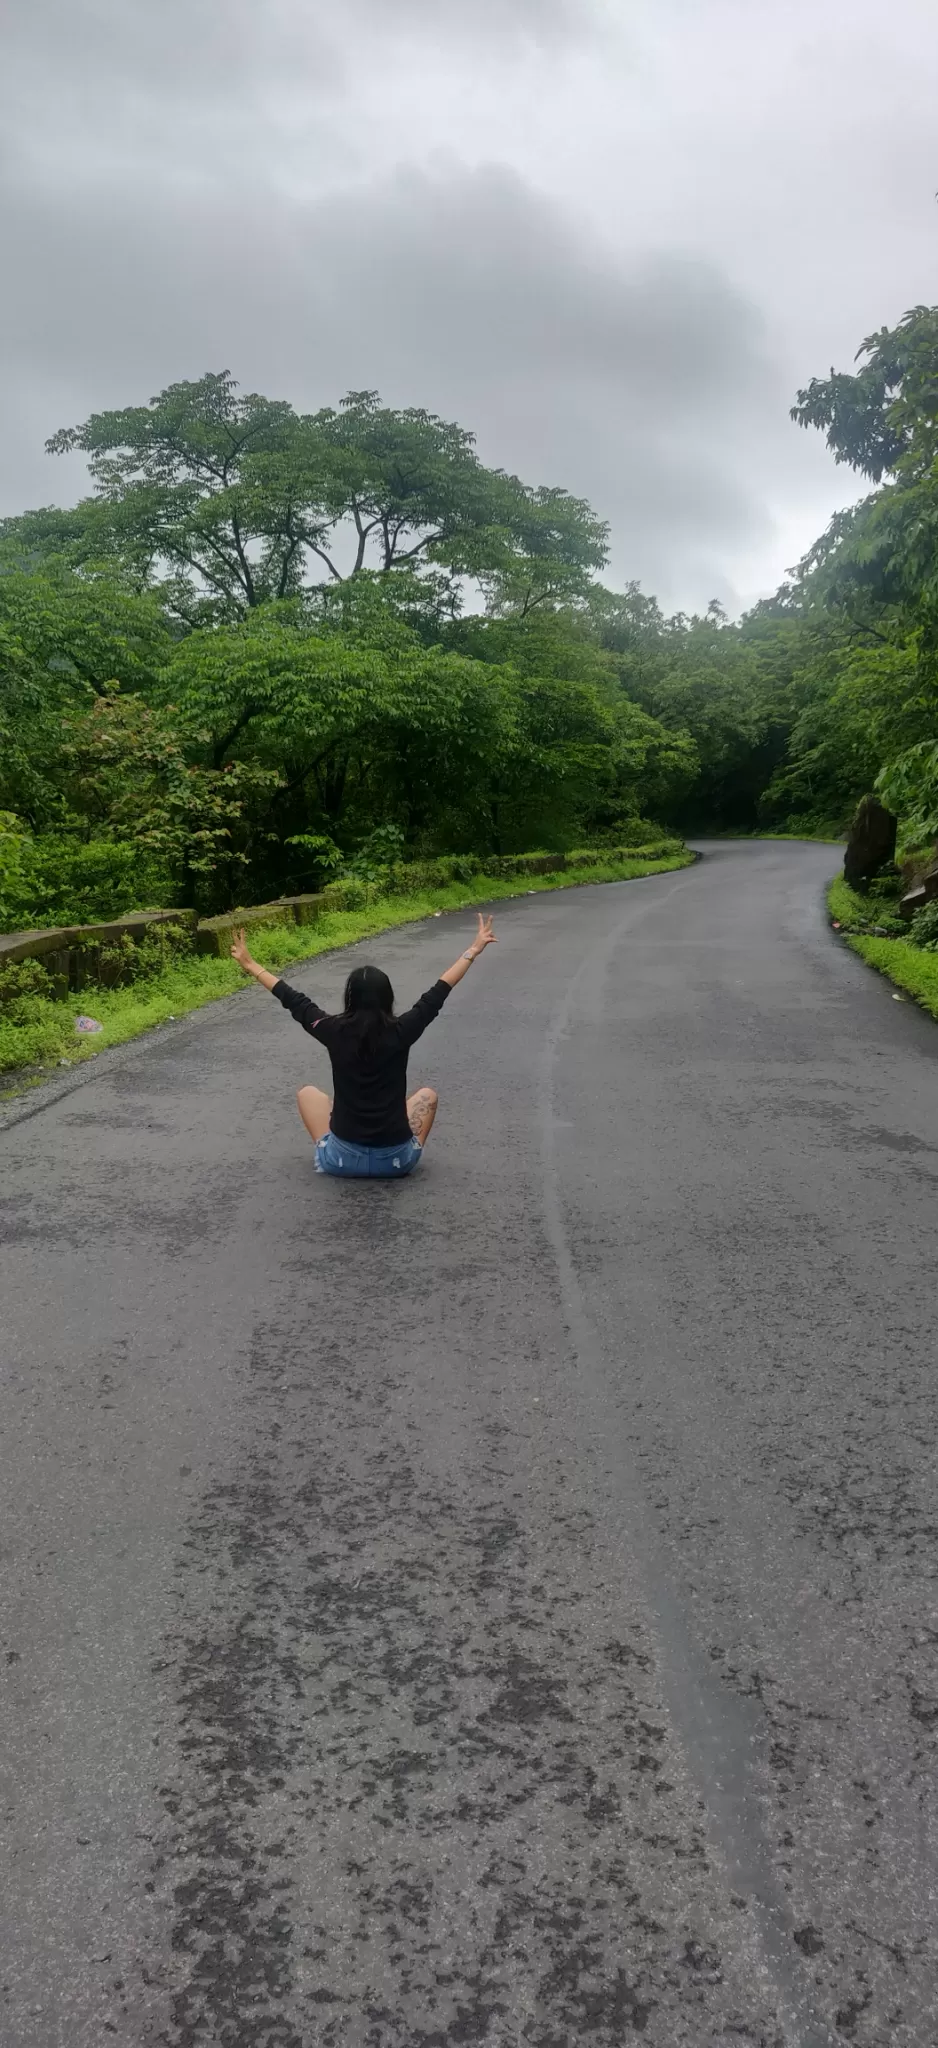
{"type": "Point", "coordinates": [883, 418]}
{"type": "Point", "coordinates": [874, 573]}
{"type": "Point", "coordinates": [234, 500]}
{"type": "Point", "coordinates": [250, 650]}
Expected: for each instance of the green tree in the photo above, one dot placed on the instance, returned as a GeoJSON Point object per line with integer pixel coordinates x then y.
{"type": "Point", "coordinates": [416, 491]}
{"type": "Point", "coordinates": [854, 704]}
{"type": "Point", "coordinates": [882, 555]}
{"type": "Point", "coordinates": [224, 494]}
{"type": "Point", "coordinates": [357, 733]}
{"type": "Point", "coordinates": [883, 418]}
{"type": "Point", "coordinates": [701, 680]}
{"type": "Point", "coordinates": [236, 501]}
{"type": "Point", "coordinates": [130, 769]}
{"type": "Point", "coordinates": [65, 638]}
{"type": "Point", "coordinates": [644, 766]}
{"type": "Point", "coordinates": [875, 570]}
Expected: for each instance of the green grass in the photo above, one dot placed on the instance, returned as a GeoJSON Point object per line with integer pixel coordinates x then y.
{"type": "Point", "coordinates": [846, 905]}
{"type": "Point", "coordinates": [909, 966]}
{"type": "Point", "coordinates": [830, 837]}
{"type": "Point", "coordinates": [48, 1039]}
{"type": "Point", "coordinates": [857, 914]}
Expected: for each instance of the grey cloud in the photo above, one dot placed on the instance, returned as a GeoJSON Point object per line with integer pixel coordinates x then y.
{"type": "Point", "coordinates": [645, 386]}
{"type": "Point", "coordinates": [82, 48]}
{"type": "Point", "coordinates": [227, 54]}
{"type": "Point", "coordinates": [542, 21]}
{"type": "Point", "coordinates": [183, 89]}
{"type": "Point", "coordinates": [298, 95]}
{"type": "Point", "coordinates": [197, 182]}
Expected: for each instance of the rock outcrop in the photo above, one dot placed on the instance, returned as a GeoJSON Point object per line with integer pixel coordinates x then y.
{"type": "Point", "coordinates": [922, 889]}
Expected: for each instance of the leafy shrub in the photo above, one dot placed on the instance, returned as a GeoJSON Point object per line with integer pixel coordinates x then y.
{"type": "Point", "coordinates": [350, 894]}
{"type": "Point", "coordinates": [109, 965]}
{"type": "Point", "coordinates": [51, 880]}
{"type": "Point", "coordinates": [324, 858]}
{"type": "Point", "coordinates": [923, 930]}
{"type": "Point", "coordinates": [908, 785]}
{"type": "Point", "coordinates": [23, 981]}
{"type": "Point", "coordinates": [33, 1028]}
{"type": "Point", "coordinates": [14, 843]}
{"type": "Point", "coordinates": [412, 877]}
{"type": "Point", "coordinates": [162, 947]}
{"type": "Point", "coordinates": [631, 832]}
{"type": "Point", "coordinates": [126, 960]}
{"type": "Point", "coordinates": [509, 864]}
{"type": "Point", "coordinates": [376, 855]}
{"type": "Point", "coordinates": [45, 1034]}
{"type": "Point", "coordinates": [463, 867]}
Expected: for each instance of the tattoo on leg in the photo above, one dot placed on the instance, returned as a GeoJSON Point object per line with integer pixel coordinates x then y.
{"type": "Point", "coordinates": [418, 1111]}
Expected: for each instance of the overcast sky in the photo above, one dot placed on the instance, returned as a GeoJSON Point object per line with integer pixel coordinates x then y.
{"type": "Point", "coordinates": [611, 236]}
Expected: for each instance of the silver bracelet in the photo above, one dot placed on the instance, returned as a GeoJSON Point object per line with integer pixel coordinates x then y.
{"type": "Point", "coordinates": [468, 956]}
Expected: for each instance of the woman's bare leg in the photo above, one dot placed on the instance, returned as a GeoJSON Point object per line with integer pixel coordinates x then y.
{"type": "Point", "coordinates": [421, 1110]}
{"type": "Point", "coordinates": [315, 1109]}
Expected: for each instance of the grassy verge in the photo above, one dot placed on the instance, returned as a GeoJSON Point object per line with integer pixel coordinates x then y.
{"type": "Point", "coordinates": [830, 837]}
{"type": "Point", "coordinates": [29, 1049]}
{"type": "Point", "coordinates": [910, 967]}
{"type": "Point", "coordinates": [857, 914]}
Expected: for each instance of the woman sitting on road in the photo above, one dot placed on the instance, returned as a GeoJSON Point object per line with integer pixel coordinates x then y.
{"type": "Point", "coordinates": [373, 1127]}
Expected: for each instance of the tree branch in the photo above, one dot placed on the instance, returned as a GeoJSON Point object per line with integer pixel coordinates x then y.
{"type": "Point", "coordinates": [201, 569]}
{"type": "Point", "coordinates": [398, 530]}
{"type": "Point", "coordinates": [531, 601]}
{"type": "Point", "coordinates": [363, 533]}
{"type": "Point", "coordinates": [408, 554]}
{"type": "Point", "coordinates": [220, 748]}
{"type": "Point", "coordinates": [247, 578]}
{"type": "Point", "coordinates": [285, 570]}
{"type": "Point", "coordinates": [321, 552]}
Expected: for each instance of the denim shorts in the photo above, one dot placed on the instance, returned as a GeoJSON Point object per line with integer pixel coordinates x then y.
{"type": "Point", "coordinates": [366, 1162]}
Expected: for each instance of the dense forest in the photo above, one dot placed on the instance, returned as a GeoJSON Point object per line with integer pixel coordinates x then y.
{"type": "Point", "coordinates": [271, 648]}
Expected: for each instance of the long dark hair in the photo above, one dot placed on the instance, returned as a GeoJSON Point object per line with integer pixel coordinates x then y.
{"type": "Point", "coordinates": [369, 1007]}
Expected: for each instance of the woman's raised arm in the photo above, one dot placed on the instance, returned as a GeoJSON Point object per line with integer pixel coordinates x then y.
{"type": "Point", "coordinates": [484, 937]}
{"type": "Point", "coordinates": [240, 953]}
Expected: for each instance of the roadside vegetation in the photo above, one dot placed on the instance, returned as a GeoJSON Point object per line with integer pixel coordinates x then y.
{"type": "Point", "coordinates": [906, 954]}
{"type": "Point", "coordinates": [271, 650]}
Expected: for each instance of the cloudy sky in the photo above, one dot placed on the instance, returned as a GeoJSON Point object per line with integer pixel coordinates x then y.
{"type": "Point", "coordinates": [611, 236]}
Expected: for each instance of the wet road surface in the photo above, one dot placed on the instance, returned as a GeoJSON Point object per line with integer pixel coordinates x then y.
{"type": "Point", "coordinates": [499, 1607]}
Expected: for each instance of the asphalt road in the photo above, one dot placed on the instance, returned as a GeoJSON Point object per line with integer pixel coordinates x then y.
{"type": "Point", "coordinates": [498, 1607]}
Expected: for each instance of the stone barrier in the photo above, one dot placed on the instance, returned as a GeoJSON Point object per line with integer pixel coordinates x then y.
{"type": "Point", "coordinates": [69, 951]}
{"type": "Point", "coordinates": [214, 934]}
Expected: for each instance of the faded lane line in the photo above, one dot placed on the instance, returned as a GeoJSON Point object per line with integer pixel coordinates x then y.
{"type": "Point", "coordinates": [721, 1735]}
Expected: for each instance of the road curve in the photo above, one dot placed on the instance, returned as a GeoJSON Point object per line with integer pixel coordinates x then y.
{"type": "Point", "coordinates": [498, 1607]}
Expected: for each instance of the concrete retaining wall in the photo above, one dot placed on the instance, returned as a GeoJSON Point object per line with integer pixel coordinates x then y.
{"type": "Point", "coordinates": [214, 933]}
{"type": "Point", "coordinates": [70, 952]}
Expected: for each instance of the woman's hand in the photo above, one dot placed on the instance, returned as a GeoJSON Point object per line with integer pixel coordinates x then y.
{"type": "Point", "coordinates": [240, 953]}
{"type": "Point", "coordinates": [485, 935]}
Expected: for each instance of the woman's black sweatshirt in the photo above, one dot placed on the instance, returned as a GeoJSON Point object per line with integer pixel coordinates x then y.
{"type": "Point", "coordinates": [370, 1106]}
